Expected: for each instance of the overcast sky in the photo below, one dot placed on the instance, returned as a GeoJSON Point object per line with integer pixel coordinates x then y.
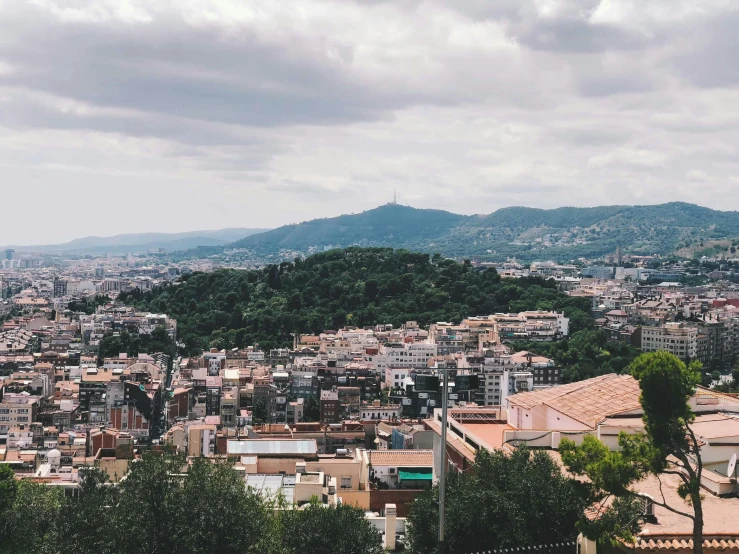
{"type": "Point", "coordinates": [131, 116]}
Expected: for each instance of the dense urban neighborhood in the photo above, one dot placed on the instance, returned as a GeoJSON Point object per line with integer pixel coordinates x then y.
{"type": "Point", "coordinates": [334, 391]}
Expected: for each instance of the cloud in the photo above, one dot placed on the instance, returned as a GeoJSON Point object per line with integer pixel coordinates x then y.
{"type": "Point", "coordinates": [629, 157]}
{"type": "Point", "coordinates": [696, 175]}
{"type": "Point", "coordinates": [320, 107]}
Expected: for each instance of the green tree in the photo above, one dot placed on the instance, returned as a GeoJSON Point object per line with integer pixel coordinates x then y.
{"type": "Point", "coordinates": [221, 514]}
{"type": "Point", "coordinates": [666, 386]}
{"type": "Point", "coordinates": [358, 286]}
{"type": "Point", "coordinates": [317, 529]}
{"type": "Point", "coordinates": [259, 414]}
{"type": "Point", "coordinates": [150, 505]}
{"type": "Point", "coordinates": [31, 525]}
{"type": "Point", "coordinates": [8, 489]}
{"type": "Point", "coordinates": [507, 501]}
{"type": "Point", "coordinates": [617, 517]}
{"type": "Point", "coordinates": [86, 520]}
{"type": "Point", "coordinates": [668, 446]}
{"type": "Point", "coordinates": [312, 409]}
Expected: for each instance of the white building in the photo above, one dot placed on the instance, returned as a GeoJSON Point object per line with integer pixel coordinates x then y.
{"type": "Point", "coordinates": [414, 355]}
{"type": "Point", "coordinates": [501, 378]}
{"type": "Point", "coordinates": [382, 413]}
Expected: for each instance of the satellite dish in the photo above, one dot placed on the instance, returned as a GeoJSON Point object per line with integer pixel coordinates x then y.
{"type": "Point", "coordinates": [732, 466]}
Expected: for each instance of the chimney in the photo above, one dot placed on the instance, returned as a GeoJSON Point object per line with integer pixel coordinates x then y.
{"type": "Point", "coordinates": [390, 523]}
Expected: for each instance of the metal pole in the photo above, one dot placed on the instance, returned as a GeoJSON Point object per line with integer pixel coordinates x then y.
{"type": "Point", "coordinates": [442, 473]}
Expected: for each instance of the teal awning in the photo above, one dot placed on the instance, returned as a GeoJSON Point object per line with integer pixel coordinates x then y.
{"type": "Point", "coordinates": [413, 476]}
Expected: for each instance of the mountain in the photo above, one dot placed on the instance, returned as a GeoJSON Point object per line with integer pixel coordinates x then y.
{"type": "Point", "coordinates": [386, 225]}
{"type": "Point", "coordinates": [526, 233]}
{"type": "Point", "coordinates": [135, 243]}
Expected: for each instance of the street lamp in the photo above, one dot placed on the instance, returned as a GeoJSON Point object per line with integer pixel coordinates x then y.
{"type": "Point", "coordinates": [442, 472]}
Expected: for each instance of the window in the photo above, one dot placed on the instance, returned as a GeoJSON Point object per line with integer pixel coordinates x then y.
{"type": "Point", "coordinates": [346, 482]}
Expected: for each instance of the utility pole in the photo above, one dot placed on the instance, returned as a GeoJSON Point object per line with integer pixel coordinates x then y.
{"type": "Point", "coordinates": [442, 473]}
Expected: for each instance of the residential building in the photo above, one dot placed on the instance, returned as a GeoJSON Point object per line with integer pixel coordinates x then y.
{"type": "Point", "coordinates": [676, 338]}
{"type": "Point", "coordinates": [330, 407]}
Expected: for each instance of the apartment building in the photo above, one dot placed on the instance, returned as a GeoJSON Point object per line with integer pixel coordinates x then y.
{"type": "Point", "coordinates": [531, 326]}
{"type": "Point", "coordinates": [17, 409]}
{"type": "Point", "coordinates": [415, 355]}
{"type": "Point", "coordinates": [396, 377]}
{"type": "Point", "coordinates": [449, 338]}
{"type": "Point", "coordinates": [676, 338]}
{"type": "Point", "coordinates": [500, 380]}
{"type": "Point", "coordinates": [330, 407]}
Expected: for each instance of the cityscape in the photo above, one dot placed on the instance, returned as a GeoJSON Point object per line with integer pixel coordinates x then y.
{"type": "Point", "coordinates": [361, 277]}
{"type": "Point", "coordinates": [352, 415]}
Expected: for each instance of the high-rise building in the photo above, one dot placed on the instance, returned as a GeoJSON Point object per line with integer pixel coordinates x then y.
{"type": "Point", "coordinates": [9, 254]}
{"type": "Point", "coordinates": [60, 287]}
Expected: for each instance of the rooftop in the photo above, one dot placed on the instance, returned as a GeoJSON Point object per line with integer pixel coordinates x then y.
{"type": "Point", "coordinates": [588, 401]}
{"type": "Point", "coordinates": [720, 514]}
{"type": "Point", "coordinates": [402, 458]}
{"type": "Point", "coordinates": [272, 447]}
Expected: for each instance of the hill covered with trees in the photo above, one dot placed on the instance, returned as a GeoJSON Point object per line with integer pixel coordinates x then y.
{"type": "Point", "coordinates": [356, 286]}
{"type": "Point", "coordinates": [526, 233]}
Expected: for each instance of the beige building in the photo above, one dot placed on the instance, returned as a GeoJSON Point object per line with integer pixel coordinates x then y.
{"type": "Point", "coordinates": [17, 409]}
{"type": "Point", "coordinates": [675, 338]}
{"type": "Point", "coordinates": [351, 473]}
{"type": "Point", "coordinates": [201, 440]}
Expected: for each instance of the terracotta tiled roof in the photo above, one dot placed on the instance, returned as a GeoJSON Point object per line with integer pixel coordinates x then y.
{"type": "Point", "coordinates": [403, 458]}
{"type": "Point", "coordinates": [588, 401]}
{"type": "Point", "coordinates": [531, 399]}
{"type": "Point", "coordinates": [684, 543]}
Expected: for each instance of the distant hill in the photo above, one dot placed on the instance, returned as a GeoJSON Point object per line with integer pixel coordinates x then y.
{"type": "Point", "coordinates": [526, 233]}
{"type": "Point", "coordinates": [135, 243]}
{"type": "Point", "coordinates": [389, 224]}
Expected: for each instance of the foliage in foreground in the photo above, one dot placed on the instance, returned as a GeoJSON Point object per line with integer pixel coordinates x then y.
{"type": "Point", "coordinates": [356, 286]}
{"type": "Point", "coordinates": [505, 501]}
{"type": "Point", "coordinates": [159, 510]}
{"type": "Point", "coordinates": [668, 446]}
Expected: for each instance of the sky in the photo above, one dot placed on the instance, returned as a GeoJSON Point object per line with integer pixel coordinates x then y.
{"type": "Point", "coordinates": [146, 115]}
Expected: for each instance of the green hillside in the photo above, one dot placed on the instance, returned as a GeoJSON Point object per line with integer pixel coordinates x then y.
{"type": "Point", "coordinates": [526, 233]}
{"type": "Point", "coordinates": [356, 286]}
{"type": "Point", "coordinates": [389, 224]}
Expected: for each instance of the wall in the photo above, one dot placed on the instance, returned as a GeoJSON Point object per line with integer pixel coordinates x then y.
{"type": "Point", "coordinates": [115, 469]}
{"type": "Point", "coordinates": [423, 440]}
{"type": "Point", "coordinates": [543, 439]}
{"type": "Point", "coordinates": [715, 453]}
{"type": "Point", "coordinates": [557, 421]}
{"type": "Point", "coordinates": [276, 465]}
{"type": "Point", "coordinates": [360, 499]}
{"type": "Point", "coordinates": [338, 469]}
{"type": "Point", "coordinates": [383, 474]}
{"type": "Point", "coordinates": [402, 498]}
{"type": "Point", "coordinates": [304, 492]}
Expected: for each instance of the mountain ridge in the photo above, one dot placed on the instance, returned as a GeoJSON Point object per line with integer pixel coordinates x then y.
{"type": "Point", "coordinates": [516, 231]}
{"type": "Point", "coordinates": [141, 242]}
